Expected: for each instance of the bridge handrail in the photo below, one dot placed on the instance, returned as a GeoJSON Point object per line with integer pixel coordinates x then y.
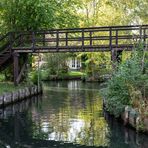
{"type": "Point", "coordinates": [105, 28]}
{"type": "Point", "coordinates": [4, 36]}
{"type": "Point", "coordinates": [113, 34]}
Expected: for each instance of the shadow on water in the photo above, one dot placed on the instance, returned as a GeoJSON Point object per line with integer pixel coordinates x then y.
{"type": "Point", "coordinates": [68, 115]}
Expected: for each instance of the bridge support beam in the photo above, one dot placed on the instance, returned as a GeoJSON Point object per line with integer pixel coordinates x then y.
{"type": "Point", "coordinates": [116, 57]}
{"type": "Point", "coordinates": [119, 56]}
{"type": "Point", "coordinates": [15, 67]}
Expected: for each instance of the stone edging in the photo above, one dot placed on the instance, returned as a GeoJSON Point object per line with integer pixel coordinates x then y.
{"type": "Point", "coordinates": [132, 118]}
{"type": "Point", "coordinates": [18, 95]}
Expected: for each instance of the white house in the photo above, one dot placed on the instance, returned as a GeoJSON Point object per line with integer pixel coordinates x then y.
{"type": "Point", "coordinates": [74, 63]}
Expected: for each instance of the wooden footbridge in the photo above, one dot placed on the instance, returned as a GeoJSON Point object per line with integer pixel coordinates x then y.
{"type": "Point", "coordinates": [114, 39]}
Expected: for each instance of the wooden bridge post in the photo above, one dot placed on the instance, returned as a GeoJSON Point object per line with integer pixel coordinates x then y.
{"type": "Point", "coordinates": [57, 40]}
{"type": "Point", "coordinates": [82, 39]}
{"type": "Point", "coordinates": [119, 56]}
{"type": "Point", "coordinates": [113, 56]}
{"type": "Point", "coordinates": [116, 55]}
{"type": "Point", "coordinates": [118, 52]}
{"type": "Point", "coordinates": [15, 67]}
{"type": "Point", "coordinates": [144, 36]}
{"type": "Point", "coordinates": [90, 33]}
{"type": "Point", "coordinates": [66, 35]}
{"type": "Point", "coordinates": [140, 33]}
{"type": "Point", "coordinates": [33, 41]}
{"type": "Point", "coordinates": [44, 38]}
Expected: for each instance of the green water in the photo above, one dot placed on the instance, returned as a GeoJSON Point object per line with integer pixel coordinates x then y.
{"type": "Point", "coordinates": [68, 115]}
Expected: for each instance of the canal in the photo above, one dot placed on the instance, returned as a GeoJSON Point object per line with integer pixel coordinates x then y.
{"type": "Point", "coordinates": [68, 115]}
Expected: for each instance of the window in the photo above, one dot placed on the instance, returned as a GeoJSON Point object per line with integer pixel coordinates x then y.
{"type": "Point", "coordinates": [73, 62]}
{"type": "Point", "coordinates": [78, 63]}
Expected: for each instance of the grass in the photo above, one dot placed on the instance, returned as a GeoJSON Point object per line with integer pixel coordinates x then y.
{"type": "Point", "coordinates": [69, 75]}
{"type": "Point", "coordinates": [8, 87]}
{"type": "Point", "coordinates": [75, 74]}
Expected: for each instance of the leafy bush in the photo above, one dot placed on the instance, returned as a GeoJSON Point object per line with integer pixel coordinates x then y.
{"type": "Point", "coordinates": [126, 85]}
{"type": "Point", "coordinates": [33, 77]}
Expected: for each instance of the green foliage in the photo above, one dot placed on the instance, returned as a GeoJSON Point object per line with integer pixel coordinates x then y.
{"type": "Point", "coordinates": [34, 77]}
{"type": "Point", "coordinates": [37, 14]}
{"type": "Point", "coordinates": [16, 15]}
{"type": "Point", "coordinates": [127, 83]}
{"type": "Point", "coordinates": [2, 77]}
{"type": "Point", "coordinates": [95, 64]}
{"type": "Point", "coordinates": [56, 64]}
{"type": "Point", "coordinates": [114, 12]}
{"type": "Point", "coordinates": [135, 10]}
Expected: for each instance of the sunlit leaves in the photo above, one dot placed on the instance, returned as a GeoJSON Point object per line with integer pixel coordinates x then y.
{"type": "Point", "coordinates": [38, 14]}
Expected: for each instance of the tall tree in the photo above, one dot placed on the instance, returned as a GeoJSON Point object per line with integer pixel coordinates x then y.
{"type": "Point", "coordinates": [135, 10]}
{"type": "Point", "coordinates": [38, 14]}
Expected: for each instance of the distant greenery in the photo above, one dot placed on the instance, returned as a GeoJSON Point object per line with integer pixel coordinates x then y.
{"type": "Point", "coordinates": [129, 83]}
{"type": "Point", "coordinates": [96, 65]}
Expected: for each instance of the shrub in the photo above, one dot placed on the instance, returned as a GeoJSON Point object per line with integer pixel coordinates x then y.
{"type": "Point", "coordinates": [125, 86]}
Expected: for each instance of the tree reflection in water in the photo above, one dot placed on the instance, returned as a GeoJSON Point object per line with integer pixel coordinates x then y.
{"type": "Point", "coordinates": [68, 115]}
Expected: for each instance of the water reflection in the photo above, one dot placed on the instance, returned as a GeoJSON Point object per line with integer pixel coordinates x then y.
{"type": "Point", "coordinates": [79, 118]}
{"type": "Point", "coordinates": [68, 115]}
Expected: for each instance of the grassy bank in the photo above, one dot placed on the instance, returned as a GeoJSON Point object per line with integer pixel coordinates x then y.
{"type": "Point", "coordinates": [129, 87]}
{"type": "Point", "coordinates": [72, 74]}
{"type": "Point", "coordinates": [8, 87]}
{"type": "Point", "coordinates": [62, 76]}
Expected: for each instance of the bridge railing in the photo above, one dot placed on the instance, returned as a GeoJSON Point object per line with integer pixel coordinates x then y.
{"type": "Point", "coordinates": [7, 41]}
{"type": "Point", "coordinates": [81, 39]}
{"type": "Point", "coordinates": [4, 42]}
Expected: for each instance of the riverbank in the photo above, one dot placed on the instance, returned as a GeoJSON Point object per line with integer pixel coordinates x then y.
{"type": "Point", "coordinates": [74, 75]}
{"type": "Point", "coordinates": [69, 105]}
{"type": "Point", "coordinates": [8, 87]}
{"type": "Point", "coordinates": [132, 118]}
{"type": "Point", "coordinates": [126, 93]}
{"type": "Point", "coordinates": [16, 94]}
